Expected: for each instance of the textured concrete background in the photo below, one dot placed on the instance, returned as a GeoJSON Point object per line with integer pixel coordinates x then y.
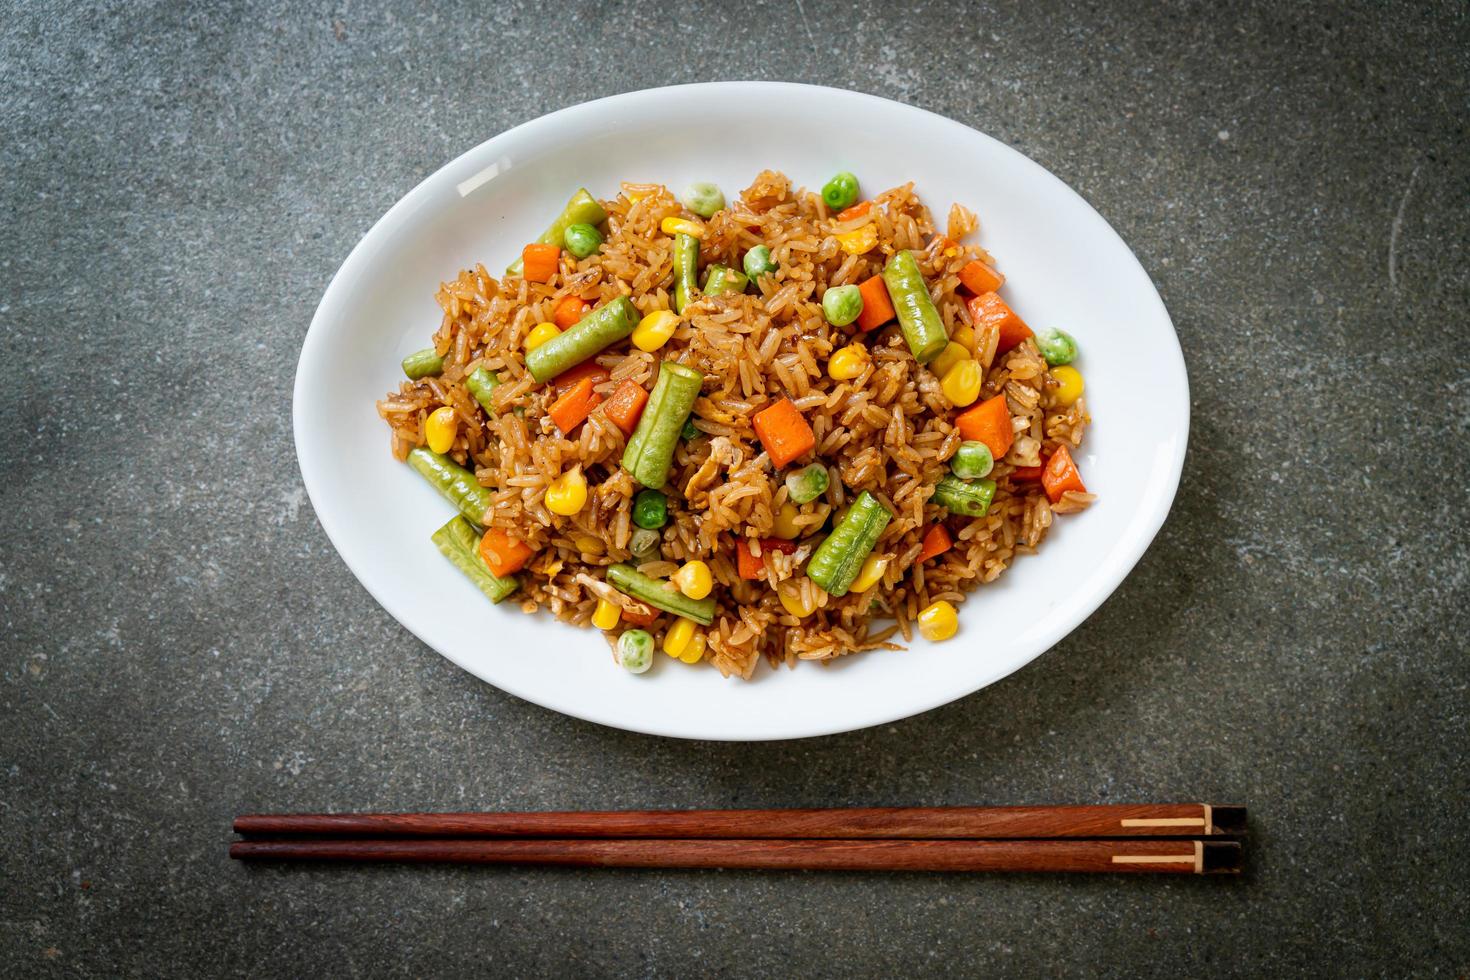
{"type": "Point", "coordinates": [181, 643]}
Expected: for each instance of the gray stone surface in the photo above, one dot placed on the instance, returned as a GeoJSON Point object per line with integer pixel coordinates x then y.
{"type": "Point", "coordinates": [180, 642]}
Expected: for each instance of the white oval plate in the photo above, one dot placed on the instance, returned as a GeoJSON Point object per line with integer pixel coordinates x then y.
{"type": "Point", "coordinates": [1063, 265]}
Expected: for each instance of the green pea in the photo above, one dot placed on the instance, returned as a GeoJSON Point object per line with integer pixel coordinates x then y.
{"type": "Point", "coordinates": [1057, 346]}
{"type": "Point", "coordinates": [690, 432]}
{"type": "Point", "coordinates": [646, 545]}
{"type": "Point", "coordinates": [972, 461]}
{"type": "Point", "coordinates": [582, 240]}
{"type": "Point", "coordinates": [703, 198]}
{"type": "Point", "coordinates": [650, 509]}
{"type": "Point", "coordinates": [635, 651]}
{"type": "Point", "coordinates": [807, 483]}
{"type": "Point", "coordinates": [840, 192]}
{"type": "Point", "coordinates": [842, 305]}
{"type": "Point", "coordinates": [758, 262]}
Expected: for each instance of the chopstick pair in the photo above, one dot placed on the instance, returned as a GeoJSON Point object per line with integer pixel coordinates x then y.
{"type": "Point", "coordinates": [1185, 838]}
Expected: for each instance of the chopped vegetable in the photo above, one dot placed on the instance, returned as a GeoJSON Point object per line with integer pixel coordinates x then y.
{"type": "Point", "coordinates": [681, 226]}
{"type": "Point", "coordinates": [936, 542]}
{"type": "Point", "coordinates": [568, 379]}
{"type": "Point", "coordinates": [784, 433]}
{"type": "Point", "coordinates": [961, 384]}
{"type": "Point", "coordinates": [645, 545]}
{"type": "Point", "coordinates": [859, 241]}
{"type": "Point", "coordinates": [871, 574]}
{"type": "Point", "coordinates": [856, 211]}
{"type": "Point", "coordinates": [440, 428]}
{"type": "Point", "coordinates": [567, 494]}
{"type": "Point", "coordinates": [626, 405]}
{"type": "Point", "coordinates": [581, 239]}
{"type": "Point", "coordinates": [422, 364]}
{"type": "Point", "coordinates": [650, 509]}
{"type": "Point", "coordinates": [1060, 475]}
{"type": "Point", "coordinates": [758, 262]}
{"type": "Point", "coordinates": [748, 565]}
{"type": "Point", "coordinates": [1069, 385]}
{"type": "Point", "coordinates": [629, 581]}
{"type": "Point", "coordinates": [643, 615]}
{"type": "Point", "coordinates": [836, 562]}
{"type": "Point", "coordinates": [807, 484]}
{"type": "Point", "coordinates": [539, 262]}
{"type": "Point", "coordinates": [840, 192]}
{"type": "Point", "coordinates": [795, 598]}
{"type": "Point", "coordinates": [503, 554]}
{"type": "Point", "coordinates": [572, 408]}
{"type": "Point", "coordinates": [581, 209]}
{"type": "Point", "coordinates": [456, 541]}
{"type": "Point", "coordinates": [988, 422]}
{"type": "Point", "coordinates": [703, 198]}
{"type": "Point", "coordinates": [482, 384]}
{"type": "Point", "coordinates": [848, 363]}
{"type": "Point", "coordinates": [972, 499]}
{"type": "Point", "coordinates": [877, 306]}
{"type": "Point", "coordinates": [454, 481]}
{"type": "Point", "coordinates": [783, 523]}
{"type": "Point", "coordinates": [989, 309]}
{"type": "Point", "coordinates": [694, 579]}
{"type": "Point", "coordinates": [690, 430]}
{"type": "Point", "coordinates": [952, 354]}
{"type": "Point", "coordinates": [719, 279]}
{"type": "Point", "coordinates": [1023, 474]}
{"type": "Point", "coordinates": [609, 323]}
{"type": "Point", "coordinates": [938, 621]}
{"type": "Point", "coordinates": [917, 317]}
{"type": "Point", "coordinates": [607, 614]}
{"type": "Point", "coordinates": [568, 310]}
{"type": "Point", "coordinates": [980, 278]}
{"type": "Point", "coordinates": [972, 460]}
{"type": "Point", "coordinates": [540, 334]}
{"type": "Point", "coordinates": [654, 330]}
{"type": "Point", "coordinates": [635, 651]}
{"type": "Point", "coordinates": [686, 269]}
{"type": "Point", "coordinates": [1057, 346]}
{"type": "Point", "coordinates": [650, 449]}
{"type": "Point", "coordinates": [842, 304]}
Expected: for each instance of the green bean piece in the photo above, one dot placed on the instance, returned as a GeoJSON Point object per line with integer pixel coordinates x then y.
{"type": "Point", "coordinates": [599, 329]}
{"type": "Point", "coordinates": [581, 239]}
{"type": "Point", "coordinates": [482, 383]}
{"type": "Point", "coordinates": [758, 262]}
{"type": "Point", "coordinates": [840, 192]}
{"type": "Point", "coordinates": [1057, 346]}
{"type": "Point", "coordinates": [972, 461]}
{"type": "Point", "coordinates": [582, 209]}
{"type": "Point", "coordinates": [840, 557]}
{"type": "Point", "coordinates": [456, 483]}
{"type": "Point", "coordinates": [807, 484]}
{"type": "Point", "coordinates": [723, 279]}
{"type": "Point", "coordinates": [422, 363]}
{"type": "Point", "coordinates": [842, 304]}
{"type": "Point", "coordinates": [690, 430]}
{"type": "Point", "coordinates": [458, 542]}
{"type": "Point", "coordinates": [972, 499]}
{"type": "Point", "coordinates": [703, 198]}
{"type": "Point", "coordinates": [650, 449]}
{"type": "Point", "coordinates": [646, 545]}
{"type": "Point", "coordinates": [660, 594]}
{"type": "Point", "coordinates": [650, 509]}
{"type": "Point", "coordinates": [917, 317]}
{"type": "Point", "coordinates": [635, 651]}
{"type": "Point", "coordinates": [686, 270]}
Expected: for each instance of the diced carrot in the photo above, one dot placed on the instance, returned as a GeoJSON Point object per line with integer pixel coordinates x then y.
{"type": "Point", "coordinates": [856, 211]}
{"type": "Point", "coordinates": [1061, 475]}
{"type": "Point", "coordinates": [877, 307]}
{"type": "Point", "coordinates": [980, 278]}
{"type": "Point", "coordinates": [936, 542]}
{"type": "Point", "coordinates": [1026, 474]}
{"type": "Point", "coordinates": [989, 422]}
{"type": "Point", "coordinates": [575, 405]}
{"type": "Point", "coordinates": [539, 262]}
{"type": "Point", "coordinates": [989, 308]}
{"type": "Point", "coordinates": [503, 553]}
{"type": "Point", "coordinates": [747, 565]}
{"type": "Point", "coordinates": [643, 617]}
{"type": "Point", "coordinates": [568, 310]}
{"type": "Point", "coordinates": [784, 433]}
{"type": "Point", "coordinates": [626, 405]}
{"type": "Point", "coordinates": [569, 378]}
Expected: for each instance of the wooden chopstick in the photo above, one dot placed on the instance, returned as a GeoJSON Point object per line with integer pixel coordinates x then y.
{"type": "Point", "coordinates": [1132, 856]}
{"type": "Point", "coordinates": [915, 823]}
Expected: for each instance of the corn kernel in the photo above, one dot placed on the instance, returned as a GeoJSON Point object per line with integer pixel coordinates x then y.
{"type": "Point", "coordinates": [440, 429]}
{"type": "Point", "coordinates": [784, 526]}
{"type": "Point", "coordinates": [676, 226]}
{"type": "Point", "coordinates": [607, 614]}
{"type": "Point", "coordinates": [870, 574]}
{"type": "Point", "coordinates": [1069, 385]}
{"type": "Point", "coordinates": [859, 241]}
{"type": "Point", "coordinates": [567, 493]}
{"type": "Point", "coordinates": [799, 602]}
{"type": "Point", "coordinates": [540, 334]}
{"type": "Point", "coordinates": [953, 353]}
{"type": "Point", "coordinates": [961, 383]}
{"type": "Point", "coordinates": [694, 652]}
{"type": "Point", "coordinates": [964, 335]}
{"type": "Point", "coordinates": [848, 362]}
{"type": "Point", "coordinates": [938, 621]}
{"type": "Point", "coordinates": [588, 544]}
{"type": "Point", "coordinates": [654, 330]}
{"type": "Point", "coordinates": [678, 637]}
{"type": "Point", "coordinates": [694, 579]}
